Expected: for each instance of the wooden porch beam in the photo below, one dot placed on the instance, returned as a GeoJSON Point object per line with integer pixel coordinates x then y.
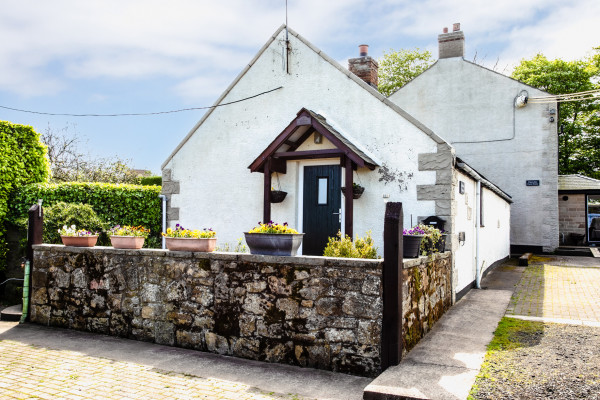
{"type": "Point", "coordinates": [307, 154]}
{"type": "Point", "coordinates": [349, 200]}
{"type": "Point", "coordinates": [267, 194]}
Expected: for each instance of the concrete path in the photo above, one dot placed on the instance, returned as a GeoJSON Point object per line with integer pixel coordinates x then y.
{"type": "Point", "coordinates": [52, 363]}
{"type": "Point", "coordinates": [446, 361]}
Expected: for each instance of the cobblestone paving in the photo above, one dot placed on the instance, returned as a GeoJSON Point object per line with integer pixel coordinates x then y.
{"type": "Point", "coordinates": [30, 372]}
{"type": "Point", "coordinates": [551, 290]}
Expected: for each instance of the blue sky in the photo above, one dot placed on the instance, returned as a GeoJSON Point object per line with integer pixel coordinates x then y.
{"type": "Point", "coordinates": [136, 56]}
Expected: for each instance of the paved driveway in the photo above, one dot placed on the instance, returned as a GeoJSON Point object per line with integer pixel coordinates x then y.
{"type": "Point", "coordinates": [52, 363]}
{"type": "Point", "coordinates": [559, 289]}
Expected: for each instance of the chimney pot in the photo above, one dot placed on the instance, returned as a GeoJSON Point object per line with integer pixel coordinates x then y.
{"type": "Point", "coordinates": [364, 66]}
{"type": "Point", "coordinates": [363, 50]}
{"type": "Point", "coordinates": [451, 44]}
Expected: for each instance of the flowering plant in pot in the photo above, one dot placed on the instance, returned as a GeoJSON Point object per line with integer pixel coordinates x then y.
{"type": "Point", "coordinates": [412, 239]}
{"type": "Point", "coordinates": [71, 236]}
{"type": "Point", "coordinates": [273, 239]}
{"type": "Point", "coordinates": [190, 240]}
{"type": "Point", "coordinates": [128, 237]}
{"type": "Point", "coordinates": [433, 241]}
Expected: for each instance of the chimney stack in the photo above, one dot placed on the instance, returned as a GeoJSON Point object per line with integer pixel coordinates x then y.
{"type": "Point", "coordinates": [451, 44]}
{"type": "Point", "coordinates": [364, 67]}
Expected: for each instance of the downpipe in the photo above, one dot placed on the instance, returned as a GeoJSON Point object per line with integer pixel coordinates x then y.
{"type": "Point", "coordinates": [477, 225]}
{"type": "Point", "coordinates": [164, 218]}
{"type": "Point", "coordinates": [25, 293]}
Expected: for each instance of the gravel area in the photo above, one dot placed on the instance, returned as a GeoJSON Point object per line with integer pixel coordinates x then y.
{"type": "Point", "coordinates": [542, 361]}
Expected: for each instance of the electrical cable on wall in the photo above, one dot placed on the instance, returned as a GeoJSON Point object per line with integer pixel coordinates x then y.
{"type": "Point", "coordinates": [141, 114]}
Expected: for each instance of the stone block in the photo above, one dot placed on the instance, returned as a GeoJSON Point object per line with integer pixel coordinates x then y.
{"type": "Point", "coordinates": [173, 213]}
{"type": "Point", "coordinates": [339, 335]}
{"type": "Point", "coordinates": [289, 307]}
{"type": "Point", "coordinates": [164, 333]}
{"type": "Point", "coordinates": [62, 279]}
{"type": "Point", "coordinates": [435, 161]}
{"type": "Point", "coordinates": [329, 306]}
{"type": "Point", "coordinates": [433, 192]}
{"type": "Point", "coordinates": [170, 187]}
{"type": "Point", "coordinates": [216, 344]}
{"type": "Point", "coordinates": [40, 296]}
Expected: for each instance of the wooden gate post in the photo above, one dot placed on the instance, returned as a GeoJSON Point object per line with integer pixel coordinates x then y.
{"type": "Point", "coordinates": [34, 229]}
{"type": "Point", "coordinates": [391, 343]}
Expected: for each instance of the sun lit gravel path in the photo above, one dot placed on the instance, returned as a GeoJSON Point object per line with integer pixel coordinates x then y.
{"type": "Point", "coordinates": [35, 372]}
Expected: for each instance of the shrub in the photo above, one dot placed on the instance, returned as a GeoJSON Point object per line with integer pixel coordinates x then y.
{"type": "Point", "coordinates": [344, 247]}
{"type": "Point", "coordinates": [22, 160]}
{"type": "Point", "coordinates": [122, 204]}
{"type": "Point", "coordinates": [81, 215]}
{"type": "Point", "coordinates": [151, 180]}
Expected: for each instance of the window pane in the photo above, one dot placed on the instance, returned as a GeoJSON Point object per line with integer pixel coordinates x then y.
{"type": "Point", "coordinates": [322, 191]}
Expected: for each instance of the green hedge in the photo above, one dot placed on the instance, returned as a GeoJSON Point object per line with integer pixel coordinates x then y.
{"type": "Point", "coordinates": [151, 180]}
{"type": "Point", "coordinates": [122, 204]}
{"type": "Point", "coordinates": [22, 161]}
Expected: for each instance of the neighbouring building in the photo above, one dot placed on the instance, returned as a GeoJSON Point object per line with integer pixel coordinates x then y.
{"type": "Point", "coordinates": [296, 121]}
{"type": "Point", "coordinates": [486, 118]}
{"type": "Point", "coordinates": [579, 210]}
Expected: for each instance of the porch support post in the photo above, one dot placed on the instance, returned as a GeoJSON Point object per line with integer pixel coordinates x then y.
{"type": "Point", "coordinates": [267, 194]}
{"type": "Point", "coordinates": [391, 335]}
{"type": "Point", "coordinates": [349, 200]}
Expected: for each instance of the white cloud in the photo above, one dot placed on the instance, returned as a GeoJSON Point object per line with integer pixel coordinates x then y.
{"type": "Point", "coordinates": [48, 46]}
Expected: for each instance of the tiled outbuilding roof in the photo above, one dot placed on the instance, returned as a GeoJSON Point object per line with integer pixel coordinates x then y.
{"type": "Point", "coordinates": [577, 182]}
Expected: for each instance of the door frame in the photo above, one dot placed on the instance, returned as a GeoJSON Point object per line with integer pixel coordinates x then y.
{"type": "Point", "coordinates": [300, 191]}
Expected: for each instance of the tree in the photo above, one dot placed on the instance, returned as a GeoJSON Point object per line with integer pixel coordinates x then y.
{"type": "Point", "coordinates": [579, 121]}
{"type": "Point", "coordinates": [397, 68]}
{"type": "Point", "coordinates": [69, 164]}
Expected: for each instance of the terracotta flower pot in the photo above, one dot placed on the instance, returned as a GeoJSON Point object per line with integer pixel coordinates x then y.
{"type": "Point", "coordinates": [274, 244]}
{"type": "Point", "coordinates": [79, 241]}
{"type": "Point", "coordinates": [411, 245]}
{"type": "Point", "coordinates": [127, 242]}
{"type": "Point", "coordinates": [191, 244]}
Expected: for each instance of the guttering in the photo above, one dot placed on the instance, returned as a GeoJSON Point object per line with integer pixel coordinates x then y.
{"type": "Point", "coordinates": [164, 217]}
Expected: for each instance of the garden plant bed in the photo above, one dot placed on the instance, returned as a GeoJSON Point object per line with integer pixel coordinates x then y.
{"type": "Point", "coordinates": [535, 360]}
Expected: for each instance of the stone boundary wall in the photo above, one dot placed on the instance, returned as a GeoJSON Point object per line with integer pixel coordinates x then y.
{"type": "Point", "coordinates": [315, 312]}
{"type": "Point", "coordinates": [426, 295]}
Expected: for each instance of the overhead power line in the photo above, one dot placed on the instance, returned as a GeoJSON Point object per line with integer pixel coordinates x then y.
{"type": "Point", "coordinates": [566, 97]}
{"type": "Point", "coordinates": [140, 114]}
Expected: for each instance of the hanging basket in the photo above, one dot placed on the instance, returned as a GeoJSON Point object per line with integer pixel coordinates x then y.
{"type": "Point", "coordinates": [357, 191]}
{"type": "Point", "coordinates": [277, 196]}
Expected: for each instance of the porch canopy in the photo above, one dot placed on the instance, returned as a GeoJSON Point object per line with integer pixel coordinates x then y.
{"type": "Point", "coordinates": [285, 147]}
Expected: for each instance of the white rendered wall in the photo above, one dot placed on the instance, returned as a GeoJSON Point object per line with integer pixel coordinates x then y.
{"type": "Point", "coordinates": [494, 237]}
{"type": "Point", "coordinates": [461, 101]}
{"type": "Point", "coordinates": [216, 187]}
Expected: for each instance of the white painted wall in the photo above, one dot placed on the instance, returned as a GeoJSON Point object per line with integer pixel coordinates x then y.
{"type": "Point", "coordinates": [461, 101]}
{"type": "Point", "coordinates": [217, 189]}
{"type": "Point", "coordinates": [494, 237]}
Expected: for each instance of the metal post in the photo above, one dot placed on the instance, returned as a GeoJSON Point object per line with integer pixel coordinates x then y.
{"type": "Point", "coordinates": [391, 346]}
{"type": "Point", "coordinates": [35, 230]}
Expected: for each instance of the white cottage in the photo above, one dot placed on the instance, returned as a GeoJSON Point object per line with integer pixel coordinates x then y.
{"type": "Point", "coordinates": [485, 116]}
{"type": "Point", "coordinates": [295, 120]}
